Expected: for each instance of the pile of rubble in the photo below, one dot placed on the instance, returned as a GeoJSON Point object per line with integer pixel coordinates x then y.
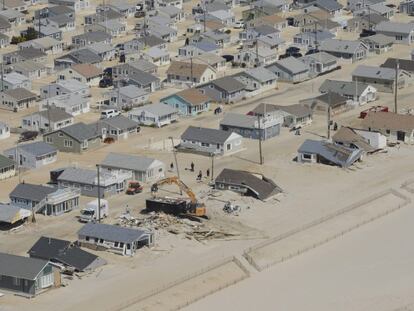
{"type": "Point", "coordinates": [199, 231]}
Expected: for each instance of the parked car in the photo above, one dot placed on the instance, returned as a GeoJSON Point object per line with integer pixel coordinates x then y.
{"type": "Point", "coordinates": [228, 58]}
{"type": "Point", "coordinates": [292, 49]}
{"type": "Point", "coordinates": [139, 14]}
{"type": "Point", "coordinates": [134, 187]}
{"type": "Point", "coordinates": [28, 135]}
{"type": "Point", "coordinates": [239, 25]}
{"type": "Point", "coordinates": [312, 51]}
{"type": "Point", "coordinates": [366, 33]}
{"type": "Point", "coordinates": [105, 82]}
{"type": "Point", "coordinates": [109, 113]}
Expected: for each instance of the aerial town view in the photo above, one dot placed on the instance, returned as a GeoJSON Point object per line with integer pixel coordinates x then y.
{"type": "Point", "coordinates": [206, 155]}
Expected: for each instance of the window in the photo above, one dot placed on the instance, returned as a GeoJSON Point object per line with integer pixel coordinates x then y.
{"type": "Point", "coordinates": [307, 156]}
{"type": "Point", "coordinates": [116, 244]}
{"type": "Point", "coordinates": [16, 281]}
{"type": "Point", "coordinates": [49, 139]}
{"type": "Point", "coordinates": [60, 134]}
{"type": "Point", "coordinates": [121, 244]}
{"type": "Point", "coordinates": [228, 146]}
{"type": "Point", "coordinates": [88, 187]}
{"type": "Point", "coordinates": [68, 143]}
{"type": "Point", "coordinates": [87, 238]}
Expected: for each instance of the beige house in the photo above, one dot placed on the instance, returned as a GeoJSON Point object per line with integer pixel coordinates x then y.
{"type": "Point", "coordinates": [191, 73]}
{"type": "Point", "coordinates": [85, 73]}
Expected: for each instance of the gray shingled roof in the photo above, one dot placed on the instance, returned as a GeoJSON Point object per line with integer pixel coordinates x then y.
{"type": "Point", "coordinates": [336, 154]}
{"type": "Point", "coordinates": [205, 135]}
{"type": "Point", "coordinates": [296, 110]}
{"type": "Point", "coordinates": [37, 149]}
{"type": "Point", "coordinates": [82, 175]}
{"type": "Point", "coordinates": [8, 213]}
{"type": "Point", "coordinates": [21, 267]}
{"type": "Point", "coordinates": [20, 94]}
{"type": "Point", "coordinates": [394, 27]}
{"type": "Point", "coordinates": [344, 88]}
{"type": "Point", "coordinates": [229, 84]}
{"type": "Point", "coordinates": [239, 120]}
{"type": "Point", "coordinates": [291, 65]}
{"type": "Point", "coordinates": [54, 114]}
{"type": "Point", "coordinates": [158, 109]}
{"type": "Point", "coordinates": [374, 72]}
{"type": "Point", "coordinates": [120, 122]}
{"type": "Point", "coordinates": [31, 192]}
{"type": "Point", "coordinates": [142, 77]}
{"type": "Point", "coordinates": [6, 162]}
{"type": "Point", "coordinates": [128, 162]}
{"type": "Point", "coordinates": [261, 74]}
{"type": "Point", "coordinates": [112, 233]}
{"type": "Point", "coordinates": [80, 131]}
{"type": "Point", "coordinates": [340, 46]}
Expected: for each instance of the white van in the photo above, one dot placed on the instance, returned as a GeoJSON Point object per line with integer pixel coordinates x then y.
{"type": "Point", "coordinates": [109, 113]}
{"type": "Point", "coordinates": [90, 212]}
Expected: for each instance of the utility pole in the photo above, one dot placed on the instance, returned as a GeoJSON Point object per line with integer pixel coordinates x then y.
{"type": "Point", "coordinates": [2, 77]}
{"type": "Point", "coordinates": [204, 13]}
{"type": "Point", "coordinates": [329, 116]}
{"type": "Point", "coordinates": [397, 67]}
{"type": "Point", "coordinates": [175, 159]}
{"type": "Point", "coordinates": [212, 166]}
{"type": "Point", "coordinates": [39, 19]}
{"type": "Point", "coordinates": [356, 89]}
{"type": "Point", "coordinates": [191, 70]}
{"type": "Point", "coordinates": [260, 135]}
{"type": "Point", "coordinates": [257, 53]}
{"type": "Point", "coordinates": [99, 192]}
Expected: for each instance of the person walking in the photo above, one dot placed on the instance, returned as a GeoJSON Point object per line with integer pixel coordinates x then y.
{"type": "Point", "coordinates": [172, 166]}
{"type": "Point", "coordinates": [208, 173]}
{"type": "Point", "coordinates": [192, 166]}
{"type": "Point", "coordinates": [200, 175]}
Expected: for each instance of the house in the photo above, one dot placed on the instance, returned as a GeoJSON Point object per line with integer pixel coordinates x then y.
{"type": "Point", "coordinates": [156, 115]}
{"type": "Point", "coordinates": [382, 78]}
{"type": "Point", "coordinates": [82, 56]}
{"type": "Point", "coordinates": [382, 9]}
{"type": "Point", "coordinates": [247, 184]}
{"type": "Point", "coordinates": [403, 64]}
{"type": "Point", "coordinates": [14, 17]}
{"type": "Point", "coordinates": [76, 5]}
{"type": "Point", "coordinates": [143, 80]}
{"type": "Point", "coordinates": [349, 138]}
{"type": "Point", "coordinates": [402, 33]}
{"type": "Point", "coordinates": [290, 69]}
{"type": "Point", "coordinates": [407, 7]}
{"type": "Point", "coordinates": [190, 73]}
{"type": "Point", "coordinates": [253, 57]}
{"type": "Point", "coordinates": [4, 130]}
{"type": "Point", "coordinates": [312, 38]}
{"type": "Point", "coordinates": [30, 69]}
{"type": "Point", "coordinates": [85, 73]}
{"type": "Point", "coordinates": [328, 101]}
{"type": "Point", "coordinates": [274, 20]}
{"type": "Point", "coordinates": [86, 180]}
{"type": "Point", "coordinates": [378, 43]}
{"type": "Point", "coordinates": [374, 138]}
{"type": "Point", "coordinates": [72, 103]}
{"type": "Point", "coordinates": [50, 31]}
{"type": "Point", "coordinates": [224, 90]}
{"type": "Point", "coordinates": [111, 27]}
{"type": "Point", "coordinates": [62, 87]}
{"type": "Point", "coordinates": [4, 40]}
{"type": "Point", "coordinates": [210, 141]}
{"type": "Point", "coordinates": [46, 200]}
{"type": "Point", "coordinates": [165, 33]}
{"type": "Point", "coordinates": [316, 20]}
{"type": "Point", "coordinates": [100, 16]}
{"type": "Point", "coordinates": [105, 51]}
{"type": "Point", "coordinates": [91, 37]}
{"type": "Point", "coordinates": [175, 14]}
{"type": "Point", "coordinates": [333, 7]}
{"type": "Point", "coordinates": [217, 62]}
{"type": "Point", "coordinates": [62, 22]}
{"type": "Point", "coordinates": [37, 275]}
{"type": "Point", "coordinates": [140, 65]}
{"type": "Point", "coordinates": [396, 127]}
{"type": "Point", "coordinates": [51, 119]}
{"type": "Point", "coordinates": [365, 21]}
{"type": "Point", "coordinates": [251, 34]}
{"type": "Point", "coordinates": [219, 38]}
{"type": "Point", "coordinates": [269, 42]}
{"type": "Point", "coordinates": [294, 116]}
{"type": "Point", "coordinates": [126, 9]}
{"type": "Point", "coordinates": [257, 80]}
{"type": "Point", "coordinates": [189, 102]}
{"type": "Point", "coordinates": [66, 254]}
{"type": "Point", "coordinates": [47, 45]}
{"type": "Point", "coordinates": [76, 138]}
{"type": "Point", "coordinates": [345, 49]}
{"type": "Point", "coordinates": [320, 63]}
{"type": "Point", "coordinates": [17, 99]}
{"type": "Point", "coordinates": [5, 26]}
{"type": "Point", "coordinates": [251, 126]}
{"type": "Point", "coordinates": [356, 5]}
{"type": "Point", "coordinates": [116, 239]}
{"type": "Point", "coordinates": [7, 167]}
{"type": "Point", "coordinates": [12, 216]}
{"type": "Point", "coordinates": [128, 97]}
{"type": "Point", "coordinates": [314, 151]}
{"type": "Point", "coordinates": [17, 5]}
{"type": "Point", "coordinates": [157, 56]}
{"type": "Point", "coordinates": [143, 169]}
{"type": "Point", "coordinates": [32, 155]}
{"type": "Point", "coordinates": [225, 17]}
{"type": "Point", "coordinates": [137, 44]}
{"type": "Point", "coordinates": [119, 127]}
{"type": "Point", "coordinates": [14, 80]}
{"type": "Point", "coordinates": [29, 53]}
{"type": "Point", "coordinates": [357, 92]}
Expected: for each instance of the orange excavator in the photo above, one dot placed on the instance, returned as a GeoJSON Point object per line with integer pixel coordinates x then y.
{"type": "Point", "coordinates": [194, 208]}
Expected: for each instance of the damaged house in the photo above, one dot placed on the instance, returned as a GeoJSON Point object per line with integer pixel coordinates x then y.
{"type": "Point", "coordinates": [246, 183]}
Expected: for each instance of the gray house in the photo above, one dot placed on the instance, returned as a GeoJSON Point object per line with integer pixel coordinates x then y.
{"type": "Point", "coordinates": [142, 168]}
{"type": "Point", "coordinates": [402, 33]}
{"type": "Point", "coordinates": [379, 43]}
{"type": "Point", "coordinates": [119, 127]}
{"type": "Point", "coordinates": [257, 79]}
{"type": "Point", "coordinates": [407, 7]}
{"type": "Point", "coordinates": [345, 49]}
{"type": "Point", "coordinates": [143, 80]}
{"type": "Point", "coordinates": [47, 120]}
{"type": "Point", "coordinates": [210, 141]}
{"type": "Point", "coordinates": [357, 91]}
{"type": "Point", "coordinates": [314, 151]}
{"type": "Point", "coordinates": [320, 63]}
{"type": "Point", "coordinates": [225, 90]}
{"type": "Point", "coordinates": [86, 181]}
{"type": "Point", "coordinates": [7, 167]}
{"type": "Point", "coordinates": [27, 276]}
{"type": "Point", "coordinates": [17, 99]}
{"type": "Point", "coordinates": [290, 70]}
{"type": "Point", "coordinates": [32, 155]}
{"type": "Point", "coordinates": [156, 115]}
{"type": "Point", "coordinates": [128, 97]}
{"type": "Point", "coordinates": [77, 138]}
{"type": "Point", "coordinates": [251, 126]}
{"type": "Point", "coordinates": [116, 239]}
{"type": "Point", "coordinates": [295, 116]}
{"type": "Point", "coordinates": [382, 78]}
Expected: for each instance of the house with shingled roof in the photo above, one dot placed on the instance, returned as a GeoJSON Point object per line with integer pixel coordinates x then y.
{"type": "Point", "coordinates": [191, 73]}
{"type": "Point", "coordinates": [189, 102]}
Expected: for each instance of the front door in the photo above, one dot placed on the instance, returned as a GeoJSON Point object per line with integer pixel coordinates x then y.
{"type": "Point", "coordinates": [400, 136]}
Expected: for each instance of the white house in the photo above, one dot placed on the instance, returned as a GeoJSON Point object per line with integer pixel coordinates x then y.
{"type": "Point", "coordinates": [4, 130]}
{"type": "Point", "coordinates": [32, 155]}
{"type": "Point", "coordinates": [62, 87]}
{"type": "Point", "coordinates": [47, 120]}
{"type": "Point", "coordinates": [86, 73]}
{"type": "Point", "coordinates": [375, 139]}
{"type": "Point", "coordinates": [72, 103]}
{"type": "Point", "coordinates": [154, 115]}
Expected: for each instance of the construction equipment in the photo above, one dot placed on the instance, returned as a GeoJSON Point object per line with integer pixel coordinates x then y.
{"type": "Point", "coordinates": [194, 207]}
{"type": "Point", "coordinates": [134, 187]}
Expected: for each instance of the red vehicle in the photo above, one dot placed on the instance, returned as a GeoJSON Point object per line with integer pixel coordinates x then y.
{"type": "Point", "coordinates": [134, 187]}
{"type": "Point", "coordinates": [364, 113]}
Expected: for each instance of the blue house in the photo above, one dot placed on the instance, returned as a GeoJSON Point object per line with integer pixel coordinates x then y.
{"type": "Point", "coordinates": [189, 102]}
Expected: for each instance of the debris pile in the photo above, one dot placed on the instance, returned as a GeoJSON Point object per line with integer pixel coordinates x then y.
{"type": "Point", "coordinates": [230, 208]}
{"type": "Point", "coordinates": [199, 231]}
